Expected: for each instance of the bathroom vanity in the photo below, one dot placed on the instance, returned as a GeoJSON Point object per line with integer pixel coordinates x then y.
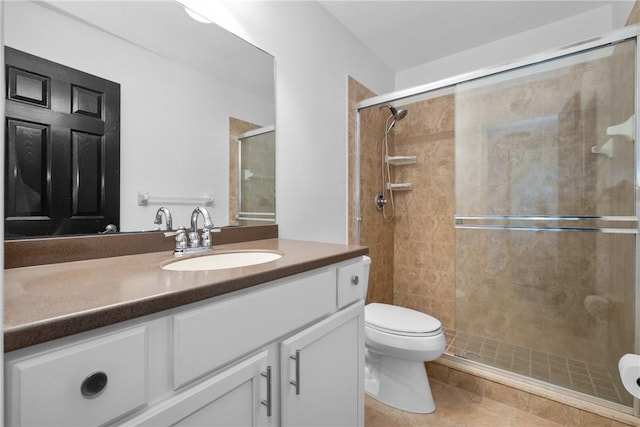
{"type": "Point", "coordinates": [121, 341]}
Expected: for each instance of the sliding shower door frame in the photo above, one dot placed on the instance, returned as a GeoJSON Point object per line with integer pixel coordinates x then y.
{"type": "Point", "coordinates": [617, 36]}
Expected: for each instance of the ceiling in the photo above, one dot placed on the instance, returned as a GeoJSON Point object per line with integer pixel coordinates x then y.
{"type": "Point", "coordinates": [405, 34]}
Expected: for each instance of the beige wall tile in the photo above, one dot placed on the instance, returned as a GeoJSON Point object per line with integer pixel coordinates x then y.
{"type": "Point", "coordinates": [436, 371]}
{"type": "Point", "coordinates": [507, 395]}
{"type": "Point", "coordinates": [467, 382]}
{"type": "Point", "coordinates": [554, 411]}
{"type": "Point", "coordinates": [589, 419]}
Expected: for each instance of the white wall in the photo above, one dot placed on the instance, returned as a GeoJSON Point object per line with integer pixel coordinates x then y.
{"type": "Point", "coordinates": [177, 151]}
{"type": "Point", "coordinates": [548, 37]}
{"type": "Point", "coordinates": [314, 55]}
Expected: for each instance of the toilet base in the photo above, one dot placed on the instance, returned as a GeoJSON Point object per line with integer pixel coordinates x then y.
{"type": "Point", "coordinates": [399, 383]}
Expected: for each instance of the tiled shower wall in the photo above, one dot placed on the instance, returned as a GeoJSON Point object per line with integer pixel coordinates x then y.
{"type": "Point", "coordinates": [375, 233]}
{"type": "Point", "coordinates": [413, 256]}
{"type": "Point", "coordinates": [424, 248]}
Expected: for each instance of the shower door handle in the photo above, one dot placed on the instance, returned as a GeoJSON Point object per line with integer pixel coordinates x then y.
{"type": "Point", "coordinates": [296, 383]}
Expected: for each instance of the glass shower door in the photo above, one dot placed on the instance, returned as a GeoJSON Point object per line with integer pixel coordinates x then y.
{"type": "Point", "coordinates": [256, 178]}
{"type": "Point", "coordinates": [546, 223]}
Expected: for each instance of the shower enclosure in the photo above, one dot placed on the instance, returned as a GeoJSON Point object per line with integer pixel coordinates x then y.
{"type": "Point", "coordinates": [256, 178]}
{"type": "Point", "coordinates": [520, 230]}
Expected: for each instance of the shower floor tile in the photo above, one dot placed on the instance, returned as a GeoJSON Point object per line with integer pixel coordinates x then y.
{"type": "Point", "coordinates": [569, 373]}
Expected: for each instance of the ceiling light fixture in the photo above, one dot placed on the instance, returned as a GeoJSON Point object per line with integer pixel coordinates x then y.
{"type": "Point", "coordinates": [195, 15]}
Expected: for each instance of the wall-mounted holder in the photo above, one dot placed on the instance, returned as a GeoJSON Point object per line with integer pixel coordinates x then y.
{"type": "Point", "coordinates": [403, 186]}
{"type": "Point", "coordinates": [145, 199]}
{"type": "Point", "coordinates": [400, 160]}
{"type": "Point", "coordinates": [606, 148]}
{"type": "Point", "coordinates": [625, 129]}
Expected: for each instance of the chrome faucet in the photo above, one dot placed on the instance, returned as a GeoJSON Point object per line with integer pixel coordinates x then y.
{"type": "Point", "coordinates": [167, 215]}
{"type": "Point", "coordinates": [203, 241]}
{"type": "Point", "coordinates": [194, 243]}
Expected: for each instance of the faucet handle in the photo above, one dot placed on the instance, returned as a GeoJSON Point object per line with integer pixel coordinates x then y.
{"type": "Point", "coordinates": [181, 240]}
{"type": "Point", "coordinates": [206, 235]}
{"type": "Point", "coordinates": [206, 238]}
{"type": "Point", "coordinates": [194, 239]}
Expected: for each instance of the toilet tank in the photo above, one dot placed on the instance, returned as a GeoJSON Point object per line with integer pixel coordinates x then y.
{"type": "Point", "coordinates": [353, 281]}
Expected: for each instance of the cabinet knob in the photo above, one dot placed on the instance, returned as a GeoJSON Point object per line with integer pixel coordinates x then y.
{"type": "Point", "coordinates": [93, 385]}
{"type": "Point", "coordinates": [355, 279]}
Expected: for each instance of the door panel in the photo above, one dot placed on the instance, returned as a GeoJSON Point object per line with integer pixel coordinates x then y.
{"type": "Point", "coordinates": [28, 87]}
{"type": "Point", "coordinates": [27, 163]}
{"type": "Point", "coordinates": [87, 170]}
{"type": "Point", "coordinates": [63, 149]}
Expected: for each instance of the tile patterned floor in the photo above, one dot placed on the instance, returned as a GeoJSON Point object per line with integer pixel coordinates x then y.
{"type": "Point", "coordinates": [454, 408]}
{"type": "Point", "coordinates": [572, 374]}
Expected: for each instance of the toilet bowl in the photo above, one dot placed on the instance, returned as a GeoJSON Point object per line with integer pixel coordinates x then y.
{"type": "Point", "coordinates": [398, 341]}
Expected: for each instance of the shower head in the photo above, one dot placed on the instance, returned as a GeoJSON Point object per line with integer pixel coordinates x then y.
{"type": "Point", "coordinates": [398, 113]}
{"type": "Point", "coordinates": [402, 113]}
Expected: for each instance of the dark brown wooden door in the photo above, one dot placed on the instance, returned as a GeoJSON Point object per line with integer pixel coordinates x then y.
{"type": "Point", "coordinates": [62, 147]}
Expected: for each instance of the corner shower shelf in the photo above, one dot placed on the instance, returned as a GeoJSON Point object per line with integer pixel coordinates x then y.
{"type": "Point", "coordinates": [404, 186]}
{"type": "Point", "coordinates": [401, 160]}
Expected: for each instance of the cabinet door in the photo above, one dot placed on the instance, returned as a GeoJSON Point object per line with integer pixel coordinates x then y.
{"type": "Point", "coordinates": [321, 372]}
{"type": "Point", "coordinates": [238, 396]}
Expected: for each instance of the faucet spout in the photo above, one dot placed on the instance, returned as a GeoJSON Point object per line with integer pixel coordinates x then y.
{"type": "Point", "coordinates": [167, 215]}
{"type": "Point", "coordinates": [208, 224]}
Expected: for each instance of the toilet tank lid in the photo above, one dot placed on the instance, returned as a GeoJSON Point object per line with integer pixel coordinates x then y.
{"type": "Point", "coordinates": [401, 319]}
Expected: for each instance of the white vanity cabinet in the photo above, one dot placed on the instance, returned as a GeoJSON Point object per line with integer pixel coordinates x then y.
{"type": "Point", "coordinates": [288, 352]}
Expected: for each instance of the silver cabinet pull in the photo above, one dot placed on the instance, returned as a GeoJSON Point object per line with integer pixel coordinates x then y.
{"type": "Point", "coordinates": [296, 383]}
{"type": "Point", "coordinates": [267, 402]}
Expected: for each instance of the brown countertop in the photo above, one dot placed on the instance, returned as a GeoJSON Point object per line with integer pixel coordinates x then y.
{"type": "Point", "coordinates": [45, 302]}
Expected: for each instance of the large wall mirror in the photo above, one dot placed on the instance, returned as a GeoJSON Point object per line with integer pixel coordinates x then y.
{"type": "Point", "coordinates": [184, 88]}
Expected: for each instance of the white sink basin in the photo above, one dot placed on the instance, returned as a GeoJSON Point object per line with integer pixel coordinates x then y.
{"type": "Point", "coordinates": [222, 260]}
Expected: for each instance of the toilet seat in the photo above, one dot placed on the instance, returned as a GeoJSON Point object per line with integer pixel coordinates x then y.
{"type": "Point", "coordinates": [401, 321]}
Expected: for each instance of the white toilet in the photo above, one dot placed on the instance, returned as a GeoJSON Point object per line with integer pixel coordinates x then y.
{"type": "Point", "coordinates": [398, 341]}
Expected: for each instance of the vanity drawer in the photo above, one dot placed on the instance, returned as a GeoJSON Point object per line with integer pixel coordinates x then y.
{"type": "Point", "coordinates": [67, 386]}
{"type": "Point", "coordinates": [352, 281]}
{"type": "Point", "coordinates": [209, 337]}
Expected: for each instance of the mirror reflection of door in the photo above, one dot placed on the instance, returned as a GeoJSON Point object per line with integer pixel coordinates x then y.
{"type": "Point", "coordinates": [62, 149]}
{"type": "Point", "coordinates": [257, 177]}
{"type": "Point", "coordinates": [252, 174]}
